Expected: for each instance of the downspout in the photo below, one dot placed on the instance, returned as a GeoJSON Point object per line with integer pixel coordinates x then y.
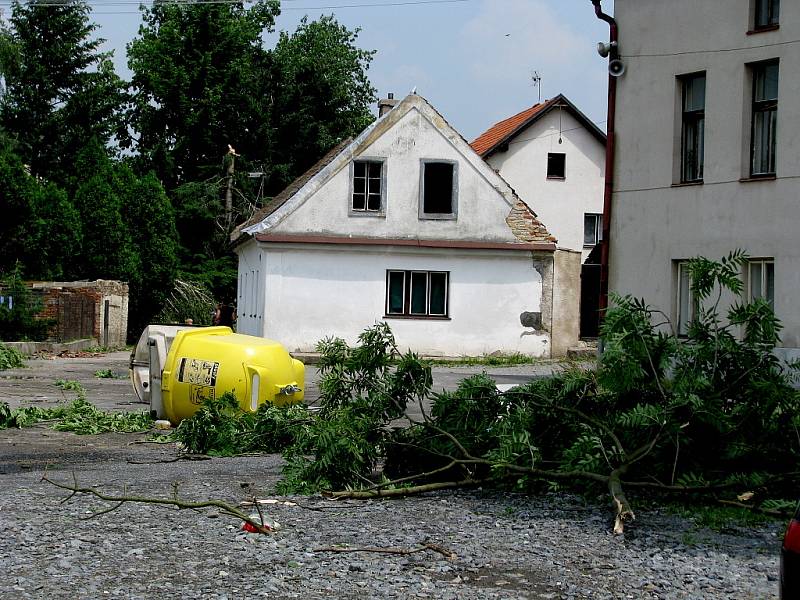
{"type": "Point", "coordinates": [609, 176]}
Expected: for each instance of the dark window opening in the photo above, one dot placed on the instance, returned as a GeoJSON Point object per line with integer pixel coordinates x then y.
{"type": "Point", "coordinates": [592, 229]}
{"type": "Point", "coordinates": [417, 293]}
{"type": "Point", "coordinates": [367, 186]}
{"type": "Point", "coordinates": [693, 127]}
{"type": "Point", "coordinates": [437, 185]}
{"type": "Point", "coordinates": [556, 165]}
{"type": "Point", "coordinates": [767, 14]}
{"type": "Point", "coordinates": [763, 144]}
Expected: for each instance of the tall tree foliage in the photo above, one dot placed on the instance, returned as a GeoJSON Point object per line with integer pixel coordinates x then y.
{"type": "Point", "coordinates": [321, 94]}
{"type": "Point", "coordinates": [61, 90]}
{"type": "Point", "coordinates": [198, 83]}
{"type": "Point", "coordinates": [40, 226]}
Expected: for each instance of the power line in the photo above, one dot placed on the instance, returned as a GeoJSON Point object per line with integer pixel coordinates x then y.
{"type": "Point", "coordinates": [6, 3]}
{"type": "Point", "coordinates": [713, 51]}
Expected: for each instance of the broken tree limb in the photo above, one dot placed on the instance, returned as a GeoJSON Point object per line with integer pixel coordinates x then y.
{"type": "Point", "coordinates": [448, 554]}
{"type": "Point", "coordinates": [176, 502]}
{"type": "Point", "coordinates": [406, 491]}
{"type": "Point", "coordinates": [623, 511]}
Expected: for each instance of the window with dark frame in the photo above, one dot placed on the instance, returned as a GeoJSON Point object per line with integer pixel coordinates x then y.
{"type": "Point", "coordinates": [761, 280]}
{"type": "Point", "coordinates": [765, 119]}
{"type": "Point", "coordinates": [767, 14]}
{"type": "Point", "coordinates": [693, 112]}
{"type": "Point", "coordinates": [417, 293]}
{"type": "Point", "coordinates": [438, 187]}
{"type": "Point", "coordinates": [686, 304]}
{"type": "Point", "coordinates": [367, 186]}
{"type": "Point", "coordinates": [592, 229]}
{"type": "Point", "coordinates": [556, 165]}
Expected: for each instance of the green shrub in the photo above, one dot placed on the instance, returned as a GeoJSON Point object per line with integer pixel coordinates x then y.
{"type": "Point", "coordinates": [18, 319]}
{"type": "Point", "coordinates": [10, 358]}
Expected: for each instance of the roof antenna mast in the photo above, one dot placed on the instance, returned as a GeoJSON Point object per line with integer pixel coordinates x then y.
{"type": "Point", "coordinates": [537, 83]}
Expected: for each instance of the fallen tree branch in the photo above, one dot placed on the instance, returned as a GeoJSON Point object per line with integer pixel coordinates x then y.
{"type": "Point", "coordinates": [170, 460]}
{"type": "Point", "coordinates": [407, 491]}
{"type": "Point", "coordinates": [448, 554]}
{"type": "Point", "coordinates": [176, 502]}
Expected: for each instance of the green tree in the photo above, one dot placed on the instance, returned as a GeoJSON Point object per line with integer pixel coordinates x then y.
{"type": "Point", "coordinates": [197, 86]}
{"type": "Point", "coordinates": [60, 89]}
{"type": "Point", "coordinates": [40, 227]}
{"type": "Point", "coordinates": [107, 251]}
{"type": "Point", "coordinates": [151, 218]}
{"type": "Point", "coordinates": [321, 92]}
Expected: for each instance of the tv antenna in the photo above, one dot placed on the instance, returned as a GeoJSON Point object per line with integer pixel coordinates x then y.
{"type": "Point", "coordinates": [537, 83]}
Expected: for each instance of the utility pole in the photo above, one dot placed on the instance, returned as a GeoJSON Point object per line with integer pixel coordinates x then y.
{"type": "Point", "coordinates": [229, 189]}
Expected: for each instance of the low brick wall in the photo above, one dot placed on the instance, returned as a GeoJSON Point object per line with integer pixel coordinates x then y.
{"type": "Point", "coordinates": [78, 310]}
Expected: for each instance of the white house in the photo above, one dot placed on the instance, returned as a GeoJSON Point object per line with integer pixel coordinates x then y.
{"type": "Point", "coordinates": [406, 224]}
{"type": "Point", "coordinates": [553, 153]}
{"type": "Point", "coordinates": [708, 142]}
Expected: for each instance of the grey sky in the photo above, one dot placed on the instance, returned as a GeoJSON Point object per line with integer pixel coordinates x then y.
{"type": "Point", "coordinates": [472, 59]}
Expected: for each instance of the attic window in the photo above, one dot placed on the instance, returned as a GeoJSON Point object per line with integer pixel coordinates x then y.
{"type": "Point", "coordinates": [367, 196]}
{"type": "Point", "coordinates": [556, 165]}
{"type": "Point", "coordinates": [439, 190]}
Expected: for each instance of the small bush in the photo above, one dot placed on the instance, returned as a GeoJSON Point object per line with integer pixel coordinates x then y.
{"type": "Point", "coordinates": [10, 358]}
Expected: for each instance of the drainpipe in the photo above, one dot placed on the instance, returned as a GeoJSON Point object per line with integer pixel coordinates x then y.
{"type": "Point", "coordinates": [609, 176]}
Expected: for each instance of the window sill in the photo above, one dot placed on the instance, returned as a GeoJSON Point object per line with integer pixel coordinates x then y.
{"type": "Point", "coordinates": [753, 178]}
{"type": "Point", "coordinates": [379, 214]}
{"type": "Point", "coordinates": [418, 317]}
{"type": "Point", "coordinates": [556, 178]}
{"type": "Point", "coordinates": [438, 217]}
{"type": "Point", "coordinates": [764, 29]}
{"type": "Point", "coordinates": [687, 183]}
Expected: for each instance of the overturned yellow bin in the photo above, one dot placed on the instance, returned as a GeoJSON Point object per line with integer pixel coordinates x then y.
{"type": "Point", "coordinates": [178, 370]}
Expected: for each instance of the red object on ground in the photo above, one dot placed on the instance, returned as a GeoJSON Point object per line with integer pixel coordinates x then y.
{"type": "Point", "coordinates": [250, 528]}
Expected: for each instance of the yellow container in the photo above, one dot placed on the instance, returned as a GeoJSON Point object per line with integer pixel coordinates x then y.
{"type": "Point", "coordinates": [206, 362]}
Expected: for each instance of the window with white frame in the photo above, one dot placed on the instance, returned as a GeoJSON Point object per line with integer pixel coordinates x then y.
{"type": "Point", "coordinates": [417, 293]}
{"type": "Point", "coordinates": [368, 187]}
{"type": "Point", "coordinates": [693, 109]}
{"type": "Point", "coordinates": [686, 304]}
{"type": "Point", "coordinates": [763, 142]}
{"type": "Point", "coordinates": [761, 280]}
{"type": "Point", "coordinates": [767, 14]}
{"type": "Point", "coordinates": [438, 189]}
{"type": "Point", "coordinates": [592, 229]}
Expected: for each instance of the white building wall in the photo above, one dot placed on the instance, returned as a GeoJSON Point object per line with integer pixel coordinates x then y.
{"type": "Point", "coordinates": [655, 220]}
{"type": "Point", "coordinates": [481, 208]}
{"type": "Point", "coordinates": [316, 291]}
{"type": "Point", "coordinates": [560, 204]}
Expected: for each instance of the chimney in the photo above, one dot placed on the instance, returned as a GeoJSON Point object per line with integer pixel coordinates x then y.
{"type": "Point", "coordinates": [386, 104]}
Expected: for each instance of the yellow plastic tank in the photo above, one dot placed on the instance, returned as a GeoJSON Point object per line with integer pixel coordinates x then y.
{"type": "Point", "coordinates": [206, 362]}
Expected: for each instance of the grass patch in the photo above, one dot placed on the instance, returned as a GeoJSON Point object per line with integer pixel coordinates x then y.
{"type": "Point", "coordinates": [491, 360]}
{"type": "Point", "coordinates": [104, 374]}
{"type": "Point", "coordinates": [70, 385]}
{"type": "Point", "coordinates": [10, 358]}
{"type": "Point", "coordinates": [721, 518]}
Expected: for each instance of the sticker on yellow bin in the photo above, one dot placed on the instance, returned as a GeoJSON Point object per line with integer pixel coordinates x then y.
{"type": "Point", "coordinates": [198, 372]}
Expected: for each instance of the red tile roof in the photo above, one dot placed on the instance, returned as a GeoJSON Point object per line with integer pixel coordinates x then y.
{"type": "Point", "coordinates": [499, 132]}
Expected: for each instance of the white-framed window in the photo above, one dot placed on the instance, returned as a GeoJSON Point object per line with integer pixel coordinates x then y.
{"type": "Point", "coordinates": [368, 187]}
{"type": "Point", "coordinates": [438, 189]}
{"type": "Point", "coordinates": [761, 280]}
{"type": "Point", "coordinates": [685, 302]}
{"type": "Point", "coordinates": [417, 293]}
{"type": "Point", "coordinates": [556, 165]}
{"type": "Point", "coordinates": [764, 130]}
{"type": "Point", "coordinates": [592, 229]}
{"type": "Point", "coordinates": [693, 110]}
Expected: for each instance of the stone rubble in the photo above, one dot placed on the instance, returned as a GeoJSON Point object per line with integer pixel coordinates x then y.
{"type": "Point", "coordinates": [507, 545]}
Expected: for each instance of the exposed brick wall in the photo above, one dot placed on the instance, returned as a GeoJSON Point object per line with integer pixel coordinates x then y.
{"type": "Point", "coordinates": [525, 226]}
{"type": "Point", "coordinates": [77, 310]}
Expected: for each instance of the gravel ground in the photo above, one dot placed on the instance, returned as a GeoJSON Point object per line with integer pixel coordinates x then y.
{"type": "Point", "coordinates": [506, 545]}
